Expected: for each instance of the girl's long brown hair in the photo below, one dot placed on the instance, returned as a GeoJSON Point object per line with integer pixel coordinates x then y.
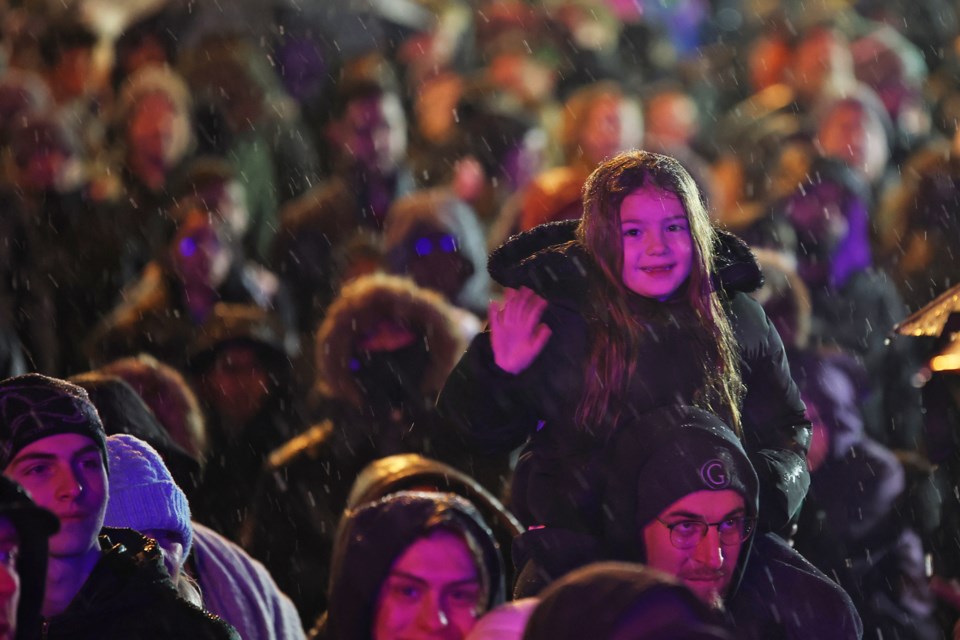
{"type": "Point", "coordinates": [616, 335]}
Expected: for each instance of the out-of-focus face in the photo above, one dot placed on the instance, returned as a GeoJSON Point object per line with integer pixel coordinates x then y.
{"type": "Point", "coordinates": [152, 133]}
{"type": "Point", "coordinates": [850, 134]}
{"type": "Point", "coordinates": [707, 567]}
{"type": "Point", "coordinates": [9, 579]}
{"type": "Point", "coordinates": [817, 217]}
{"type": "Point", "coordinates": [816, 60]}
{"type": "Point", "coordinates": [767, 62]}
{"type": "Point", "coordinates": [671, 119]}
{"type": "Point", "coordinates": [601, 136]}
{"type": "Point", "coordinates": [236, 384]}
{"type": "Point", "coordinates": [73, 74]}
{"type": "Point", "coordinates": [437, 263]}
{"type": "Point", "coordinates": [373, 133]}
{"type": "Point", "coordinates": [436, 104]}
{"type": "Point", "coordinates": [65, 474]}
{"type": "Point", "coordinates": [200, 256]}
{"type": "Point", "coordinates": [657, 247]}
{"type": "Point", "coordinates": [171, 545]}
{"type": "Point", "coordinates": [432, 592]}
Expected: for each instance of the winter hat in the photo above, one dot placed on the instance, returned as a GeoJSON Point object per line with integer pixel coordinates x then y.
{"type": "Point", "coordinates": [698, 457]}
{"type": "Point", "coordinates": [672, 452]}
{"type": "Point", "coordinates": [143, 494]}
{"type": "Point", "coordinates": [34, 406]}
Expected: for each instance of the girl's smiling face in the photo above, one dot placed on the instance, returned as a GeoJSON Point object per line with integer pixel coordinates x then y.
{"type": "Point", "coordinates": [657, 247]}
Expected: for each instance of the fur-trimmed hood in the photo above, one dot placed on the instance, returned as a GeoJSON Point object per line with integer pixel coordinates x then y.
{"type": "Point", "coordinates": [548, 260]}
{"type": "Point", "coordinates": [358, 309]}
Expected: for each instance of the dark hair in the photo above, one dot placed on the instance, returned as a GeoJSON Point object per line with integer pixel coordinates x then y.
{"type": "Point", "coordinates": [611, 355]}
{"type": "Point", "coordinates": [63, 35]}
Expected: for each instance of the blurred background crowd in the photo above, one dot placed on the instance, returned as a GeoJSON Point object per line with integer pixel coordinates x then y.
{"type": "Point", "coordinates": [272, 220]}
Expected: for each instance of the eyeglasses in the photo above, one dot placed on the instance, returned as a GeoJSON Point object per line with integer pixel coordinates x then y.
{"type": "Point", "coordinates": [686, 534]}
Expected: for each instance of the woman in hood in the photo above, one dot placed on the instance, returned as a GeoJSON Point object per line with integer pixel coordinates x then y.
{"type": "Point", "coordinates": [384, 572]}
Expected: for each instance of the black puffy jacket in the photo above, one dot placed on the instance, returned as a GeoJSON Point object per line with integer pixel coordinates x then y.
{"type": "Point", "coordinates": [557, 479]}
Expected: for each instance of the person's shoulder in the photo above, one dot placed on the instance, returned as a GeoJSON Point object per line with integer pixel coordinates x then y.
{"type": "Point", "coordinates": [735, 266]}
{"type": "Point", "coordinates": [546, 259]}
{"type": "Point", "coordinates": [129, 591]}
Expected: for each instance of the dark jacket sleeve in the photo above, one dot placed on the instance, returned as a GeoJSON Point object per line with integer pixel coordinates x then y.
{"type": "Point", "coordinates": [489, 405]}
{"type": "Point", "coordinates": [784, 596]}
{"type": "Point", "coordinates": [776, 430]}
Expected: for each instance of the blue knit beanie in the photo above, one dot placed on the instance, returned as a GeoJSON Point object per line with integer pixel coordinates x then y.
{"type": "Point", "coordinates": [143, 494]}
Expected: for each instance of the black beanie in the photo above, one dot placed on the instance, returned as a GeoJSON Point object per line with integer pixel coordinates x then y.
{"type": "Point", "coordinates": [698, 456]}
{"type": "Point", "coordinates": [34, 406]}
{"type": "Point", "coordinates": [663, 456]}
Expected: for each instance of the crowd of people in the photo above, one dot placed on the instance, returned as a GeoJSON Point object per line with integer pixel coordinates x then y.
{"type": "Point", "coordinates": [472, 319]}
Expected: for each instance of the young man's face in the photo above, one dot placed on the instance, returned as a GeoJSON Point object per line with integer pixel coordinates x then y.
{"type": "Point", "coordinates": [432, 592]}
{"type": "Point", "coordinates": [9, 579]}
{"type": "Point", "coordinates": [373, 133]}
{"type": "Point", "coordinates": [65, 474]}
{"type": "Point", "coordinates": [707, 567]}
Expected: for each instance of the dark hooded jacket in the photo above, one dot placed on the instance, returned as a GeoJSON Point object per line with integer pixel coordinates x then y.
{"type": "Point", "coordinates": [557, 476]}
{"type": "Point", "coordinates": [129, 595]}
{"type": "Point", "coordinates": [371, 537]}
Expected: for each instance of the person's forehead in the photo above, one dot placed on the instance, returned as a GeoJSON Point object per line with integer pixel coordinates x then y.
{"type": "Point", "coordinates": [651, 203]}
{"type": "Point", "coordinates": [62, 445]}
{"type": "Point", "coordinates": [440, 555]}
{"type": "Point", "coordinates": [708, 505]}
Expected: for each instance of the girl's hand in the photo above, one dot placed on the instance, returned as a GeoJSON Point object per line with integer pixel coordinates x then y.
{"type": "Point", "coordinates": [516, 333]}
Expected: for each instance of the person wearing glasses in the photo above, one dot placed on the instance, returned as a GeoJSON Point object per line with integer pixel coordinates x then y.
{"type": "Point", "coordinates": [681, 496]}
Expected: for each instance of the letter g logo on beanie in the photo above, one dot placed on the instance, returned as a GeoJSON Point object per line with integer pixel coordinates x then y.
{"type": "Point", "coordinates": [715, 475]}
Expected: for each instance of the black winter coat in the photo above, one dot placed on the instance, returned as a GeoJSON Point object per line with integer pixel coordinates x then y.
{"type": "Point", "coordinates": [557, 482]}
{"type": "Point", "coordinates": [129, 595]}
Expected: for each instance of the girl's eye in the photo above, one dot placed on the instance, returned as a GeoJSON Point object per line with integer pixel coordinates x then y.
{"type": "Point", "coordinates": [632, 232]}
{"type": "Point", "coordinates": [677, 227]}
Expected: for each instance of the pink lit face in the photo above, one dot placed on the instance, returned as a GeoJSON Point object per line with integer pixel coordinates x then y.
{"type": "Point", "coordinates": [657, 247]}
{"type": "Point", "coordinates": [66, 474]}
{"type": "Point", "coordinates": [706, 569]}
{"type": "Point", "coordinates": [431, 593]}
{"type": "Point", "coordinates": [9, 579]}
